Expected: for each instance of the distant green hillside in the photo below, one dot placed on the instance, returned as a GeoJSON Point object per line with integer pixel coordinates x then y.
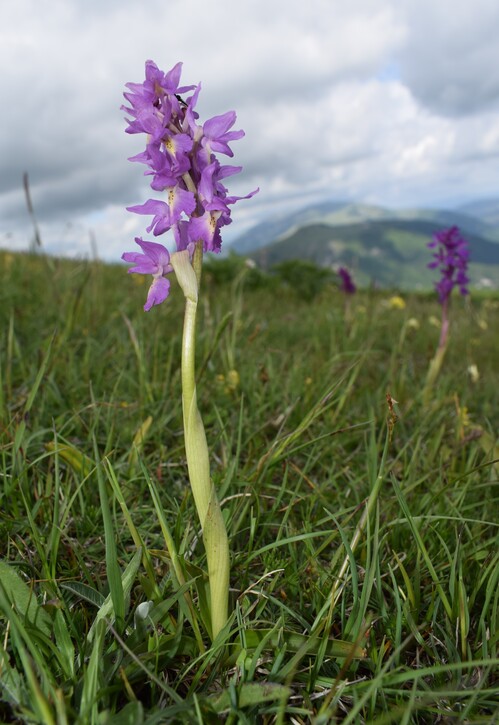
{"type": "Point", "coordinates": [485, 209]}
{"type": "Point", "coordinates": [482, 222]}
{"type": "Point", "coordinates": [386, 252]}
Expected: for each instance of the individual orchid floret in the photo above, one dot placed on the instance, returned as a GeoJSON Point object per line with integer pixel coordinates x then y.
{"type": "Point", "coordinates": [216, 134]}
{"type": "Point", "coordinates": [451, 258]}
{"type": "Point", "coordinates": [166, 213]}
{"type": "Point", "coordinates": [154, 260]}
{"type": "Point", "coordinates": [347, 285]}
{"type": "Point", "coordinates": [206, 229]}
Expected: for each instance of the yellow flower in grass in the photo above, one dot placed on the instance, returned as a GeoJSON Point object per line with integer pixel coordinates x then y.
{"type": "Point", "coordinates": [396, 303]}
{"type": "Point", "coordinates": [463, 418]}
{"type": "Point", "coordinates": [8, 258]}
{"type": "Point", "coordinates": [230, 382]}
{"type": "Point", "coordinates": [434, 321]}
{"type": "Point", "coordinates": [413, 324]}
{"type": "Point", "coordinates": [233, 380]}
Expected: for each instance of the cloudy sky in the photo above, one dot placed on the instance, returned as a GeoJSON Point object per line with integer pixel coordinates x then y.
{"type": "Point", "coordinates": [392, 102]}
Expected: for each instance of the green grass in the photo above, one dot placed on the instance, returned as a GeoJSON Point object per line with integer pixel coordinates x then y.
{"type": "Point", "coordinates": [365, 565]}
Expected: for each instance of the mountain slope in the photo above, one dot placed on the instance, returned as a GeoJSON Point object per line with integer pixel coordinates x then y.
{"type": "Point", "coordinates": [389, 252]}
{"type": "Point", "coordinates": [341, 213]}
{"type": "Point", "coordinates": [485, 209]}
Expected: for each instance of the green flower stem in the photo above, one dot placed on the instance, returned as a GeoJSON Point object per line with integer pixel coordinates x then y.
{"type": "Point", "coordinates": [444, 330]}
{"type": "Point", "coordinates": [437, 361]}
{"type": "Point", "coordinates": [196, 448]}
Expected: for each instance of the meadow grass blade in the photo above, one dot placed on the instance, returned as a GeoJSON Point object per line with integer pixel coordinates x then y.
{"type": "Point", "coordinates": [65, 646]}
{"type": "Point", "coordinates": [162, 686]}
{"type": "Point", "coordinates": [21, 426]}
{"type": "Point", "coordinates": [214, 343]}
{"type": "Point", "coordinates": [144, 387]}
{"type": "Point", "coordinates": [107, 611]}
{"type": "Point", "coordinates": [422, 548]}
{"type": "Point", "coordinates": [3, 388]}
{"type": "Point", "coordinates": [279, 448]}
{"type": "Point", "coordinates": [113, 571]}
{"type": "Point", "coordinates": [138, 445]}
{"type": "Point", "coordinates": [17, 592]}
{"type": "Point", "coordinates": [249, 693]}
{"type": "Point", "coordinates": [176, 564]}
{"type": "Point", "coordinates": [34, 650]}
{"type": "Point", "coordinates": [56, 528]}
{"type": "Point", "coordinates": [232, 438]}
{"type": "Point", "coordinates": [349, 560]}
{"type": "Point", "coordinates": [42, 709]}
{"type": "Point", "coordinates": [37, 538]}
{"type": "Point", "coordinates": [88, 706]}
{"type": "Point", "coordinates": [134, 532]}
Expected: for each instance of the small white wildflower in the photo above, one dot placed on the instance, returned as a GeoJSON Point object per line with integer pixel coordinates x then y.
{"type": "Point", "coordinates": [413, 323]}
{"type": "Point", "coordinates": [473, 373]}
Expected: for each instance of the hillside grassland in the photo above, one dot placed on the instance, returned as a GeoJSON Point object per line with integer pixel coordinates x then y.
{"type": "Point", "coordinates": [383, 252]}
{"type": "Point", "coordinates": [362, 515]}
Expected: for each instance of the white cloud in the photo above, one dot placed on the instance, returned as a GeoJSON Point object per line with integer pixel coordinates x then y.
{"type": "Point", "coordinates": [393, 102]}
{"type": "Point", "coordinates": [450, 59]}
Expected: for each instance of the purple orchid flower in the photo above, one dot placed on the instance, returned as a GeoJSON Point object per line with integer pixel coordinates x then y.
{"type": "Point", "coordinates": [180, 156]}
{"type": "Point", "coordinates": [451, 257]}
{"type": "Point", "coordinates": [347, 284]}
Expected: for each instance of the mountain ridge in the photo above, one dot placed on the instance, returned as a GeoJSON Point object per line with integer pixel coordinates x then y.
{"type": "Point", "coordinates": [339, 212]}
{"type": "Point", "coordinates": [387, 247]}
